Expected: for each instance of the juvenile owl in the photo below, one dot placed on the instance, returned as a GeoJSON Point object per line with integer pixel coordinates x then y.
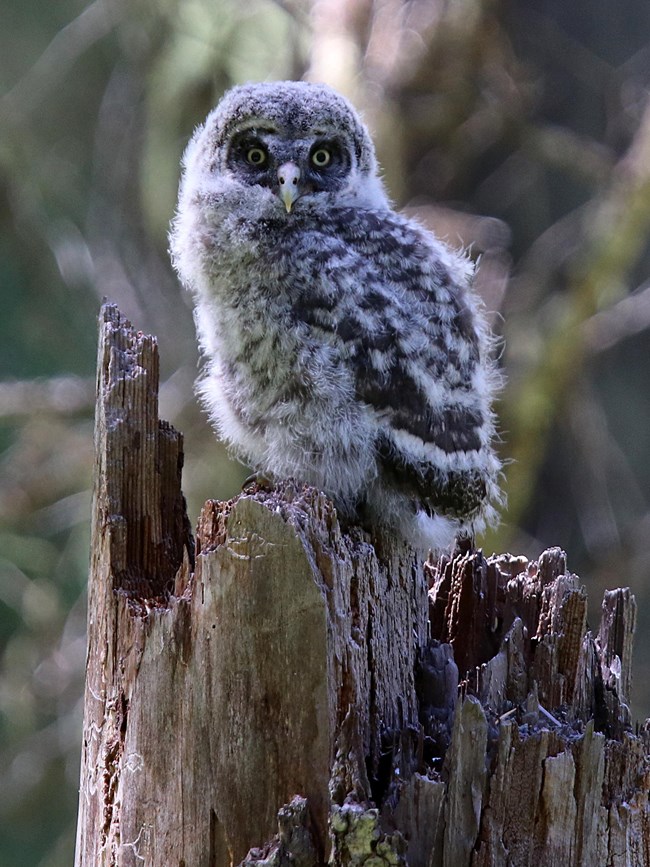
{"type": "Point", "coordinates": [344, 346]}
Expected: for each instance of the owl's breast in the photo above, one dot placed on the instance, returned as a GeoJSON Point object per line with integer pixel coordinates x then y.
{"type": "Point", "coordinates": [275, 365]}
{"type": "Point", "coordinates": [282, 391]}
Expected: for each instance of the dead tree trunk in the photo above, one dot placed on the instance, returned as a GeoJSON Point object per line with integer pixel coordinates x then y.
{"type": "Point", "coordinates": [290, 694]}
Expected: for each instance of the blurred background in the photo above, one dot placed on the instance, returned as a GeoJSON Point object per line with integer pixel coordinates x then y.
{"type": "Point", "coordinates": [518, 129]}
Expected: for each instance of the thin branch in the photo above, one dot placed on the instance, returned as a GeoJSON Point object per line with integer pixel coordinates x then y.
{"type": "Point", "coordinates": [56, 61]}
{"type": "Point", "coordinates": [629, 316]}
{"type": "Point", "coordinates": [61, 395]}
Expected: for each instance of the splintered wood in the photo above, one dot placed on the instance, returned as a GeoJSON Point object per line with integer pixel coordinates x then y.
{"type": "Point", "coordinates": [568, 781]}
{"type": "Point", "coordinates": [291, 693]}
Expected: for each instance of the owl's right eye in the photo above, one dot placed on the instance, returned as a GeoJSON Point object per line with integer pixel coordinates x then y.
{"type": "Point", "coordinates": [256, 156]}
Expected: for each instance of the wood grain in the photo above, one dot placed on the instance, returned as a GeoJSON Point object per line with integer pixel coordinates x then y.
{"type": "Point", "coordinates": [290, 693]}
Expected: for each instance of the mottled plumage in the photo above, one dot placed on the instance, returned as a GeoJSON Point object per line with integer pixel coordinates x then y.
{"type": "Point", "coordinates": [344, 345]}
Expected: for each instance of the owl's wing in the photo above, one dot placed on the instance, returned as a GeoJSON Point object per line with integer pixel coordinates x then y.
{"type": "Point", "coordinates": [426, 441]}
{"type": "Point", "coordinates": [402, 316]}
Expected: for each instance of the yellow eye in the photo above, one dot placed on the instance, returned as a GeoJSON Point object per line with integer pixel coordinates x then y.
{"type": "Point", "coordinates": [256, 156]}
{"type": "Point", "coordinates": [321, 158]}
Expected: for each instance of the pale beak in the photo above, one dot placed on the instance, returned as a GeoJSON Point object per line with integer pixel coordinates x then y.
{"type": "Point", "coordinates": [288, 177]}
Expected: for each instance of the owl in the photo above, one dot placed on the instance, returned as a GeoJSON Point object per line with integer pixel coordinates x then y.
{"type": "Point", "coordinates": [343, 344]}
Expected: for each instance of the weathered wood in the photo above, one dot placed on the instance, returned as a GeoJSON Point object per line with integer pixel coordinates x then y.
{"type": "Point", "coordinates": [559, 792]}
{"type": "Point", "coordinates": [290, 693]}
{"type": "Point", "coordinates": [226, 696]}
{"type": "Point", "coordinates": [140, 538]}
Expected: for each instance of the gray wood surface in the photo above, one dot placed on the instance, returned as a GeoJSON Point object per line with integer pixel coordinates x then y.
{"type": "Point", "coordinates": [290, 693]}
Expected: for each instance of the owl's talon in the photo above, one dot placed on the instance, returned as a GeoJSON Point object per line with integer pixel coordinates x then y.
{"type": "Point", "coordinates": [465, 545]}
{"type": "Point", "coordinates": [256, 482]}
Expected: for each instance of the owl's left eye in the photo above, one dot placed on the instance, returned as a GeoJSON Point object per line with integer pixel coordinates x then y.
{"type": "Point", "coordinates": [256, 156]}
{"type": "Point", "coordinates": [321, 157]}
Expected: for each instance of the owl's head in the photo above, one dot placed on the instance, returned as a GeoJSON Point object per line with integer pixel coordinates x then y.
{"type": "Point", "coordinates": [303, 144]}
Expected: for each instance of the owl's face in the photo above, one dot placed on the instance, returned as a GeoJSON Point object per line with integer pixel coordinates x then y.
{"type": "Point", "coordinates": [289, 161]}
{"type": "Point", "coordinates": [292, 145]}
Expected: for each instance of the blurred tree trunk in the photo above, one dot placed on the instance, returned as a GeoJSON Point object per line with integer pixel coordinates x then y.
{"type": "Point", "coordinates": [288, 695]}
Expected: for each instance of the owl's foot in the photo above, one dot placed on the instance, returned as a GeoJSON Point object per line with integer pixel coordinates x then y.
{"type": "Point", "coordinates": [465, 544]}
{"type": "Point", "coordinates": [257, 482]}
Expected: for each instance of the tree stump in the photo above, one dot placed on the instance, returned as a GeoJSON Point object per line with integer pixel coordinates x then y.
{"type": "Point", "coordinates": [289, 693]}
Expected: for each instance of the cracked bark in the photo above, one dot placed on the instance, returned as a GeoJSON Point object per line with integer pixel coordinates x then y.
{"type": "Point", "coordinates": [289, 693]}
